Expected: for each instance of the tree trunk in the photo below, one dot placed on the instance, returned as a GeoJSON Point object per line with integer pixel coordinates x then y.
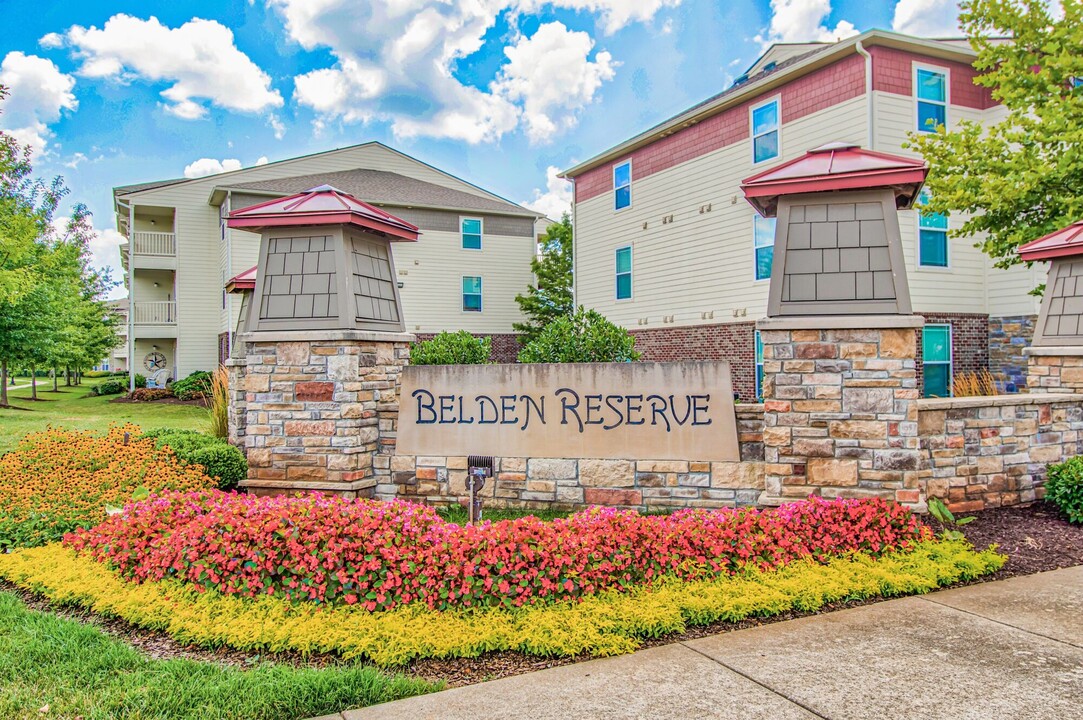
{"type": "Point", "coordinates": [67, 376]}
{"type": "Point", "coordinates": [55, 381]}
{"type": "Point", "coordinates": [33, 383]}
{"type": "Point", "coordinates": [4, 383]}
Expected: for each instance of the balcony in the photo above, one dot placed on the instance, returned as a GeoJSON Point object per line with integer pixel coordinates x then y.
{"type": "Point", "coordinates": [155, 319]}
{"type": "Point", "coordinates": [154, 250]}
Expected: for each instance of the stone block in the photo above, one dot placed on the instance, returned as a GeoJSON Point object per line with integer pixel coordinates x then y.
{"type": "Point", "coordinates": [868, 401]}
{"type": "Point", "coordinates": [292, 353]}
{"type": "Point", "coordinates": [610, 496]}
{"type": "Point", "coordinates": [898, 344]}
{"type": "Point", "coordinates": [737, 475]}
{"type": "Point", "coordinates": [314, 391]}
{"type": "Point", "coordinates": [551, 469]}
{"type": "Point", "coordinates": [813, 447]}
{"type": "Point", "coordinates": [662, 466]}
{"type": "Point", "coordinates": [830, 472]}
{"type": "Point", "coordinates": [607, 473]}
{"type": "Point", "coordinates": [343, 368]}
{"type": "Point", "coordinates": [320, 428]}
{"type": "Point", "coordinates": [858, 429]}
{"type": "Point", "coordinates": [257, 383]}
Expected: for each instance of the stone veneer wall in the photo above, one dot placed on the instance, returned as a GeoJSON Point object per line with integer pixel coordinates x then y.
{"type": "Point", "coordinates": [987, 452]}
{"type": "Point", "coordinates": [238, 413]}
{"type": "Point", "coordinates": [1053, 370]}
{"type": "Point", "coordinates": [1008, 338]}
{"type": "Point", "coordinates": [505, 345]}
{"type": "Point", "coordinates": [570, 483]}
{"type": "Point", "coordinates": [314, 410]}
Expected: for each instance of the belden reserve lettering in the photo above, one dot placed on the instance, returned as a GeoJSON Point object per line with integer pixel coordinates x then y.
{"type": "Point", "coordinates": [565, 406]}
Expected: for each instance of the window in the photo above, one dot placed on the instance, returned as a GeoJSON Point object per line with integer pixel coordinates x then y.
{"type": "Point", "coordinates": [932, 236]}
{"type": "Point", "coordinates": [936, 355]}
{"type": "Point", "coordinates": [624, 273]}
{"type": "Point", "coordinates": [763, 242]}
{"type": "Point", "coordinates": [471, 228]}
{"type": "Point", "coordinates": [622, 186]}
{"type": "Point", "coordinates": [471, 293]}
{"type": "Point", "coordinates": [765, 132]}
{"type": "Point", "coordinates": [759, 366]}
{"type": "Point", "coordinates": [931, 89]}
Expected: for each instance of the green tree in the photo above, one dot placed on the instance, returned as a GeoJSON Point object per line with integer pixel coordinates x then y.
{"type": "Point", "coordinates": [552, 296]}
{"type": "Point", "coordinates": [583, 336]}
{"type": "Point", "coordinates": [1022, 177]}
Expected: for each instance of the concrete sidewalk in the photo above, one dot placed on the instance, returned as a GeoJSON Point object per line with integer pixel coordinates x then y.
{"type": "Point", "coordinates": [1008, 649]}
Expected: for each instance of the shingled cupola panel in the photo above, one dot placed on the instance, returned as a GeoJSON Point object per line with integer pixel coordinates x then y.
{"type": "Point", "coordinates": [838, 250]}
{"type": "Point", "coordinates": [325, 263]}
{"type": "Point", "coordinates": [1061, 318]}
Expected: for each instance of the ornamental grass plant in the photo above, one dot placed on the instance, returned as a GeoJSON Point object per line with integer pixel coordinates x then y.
{"type": "Point", "coordinates": [383, 555]}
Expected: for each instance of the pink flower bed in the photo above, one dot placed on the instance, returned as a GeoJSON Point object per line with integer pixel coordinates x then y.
{"type": "Point", "coordinates": [384, 554]}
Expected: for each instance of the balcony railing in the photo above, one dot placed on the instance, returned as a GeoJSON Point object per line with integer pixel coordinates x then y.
{"type": "Point", "coordinates": [162, 244]}
{"type": "Point", "coordinates": [160, 312]}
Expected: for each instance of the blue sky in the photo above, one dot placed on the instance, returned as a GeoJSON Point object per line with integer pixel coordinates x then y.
{"type": "Point", "coordinates": [499, 92]}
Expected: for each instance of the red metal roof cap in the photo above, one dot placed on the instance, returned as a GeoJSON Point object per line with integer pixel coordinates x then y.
{"type": "Point", "coordinates": [323, 205]}
{"type": "Point", "coordinates": [1062, 243]}
{"type": "Point", "coordinates": [833, 167]}
{"type": "Point", "coordinates": [243, 281]}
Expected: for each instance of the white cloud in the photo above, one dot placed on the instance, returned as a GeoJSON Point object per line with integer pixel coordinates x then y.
{"type": "Point", "coordinates": [262, 160]}
{"type": "Point", "coordinates": [51, 40]}
{"type": "Point", "coordinates": [803, 21]}
{"type": "Point", "coordinates": [210, 166]}
{"type": "Point", "coordinates": [557, 197]}
{"type": "Point", "coordinates": [927, 18]}
{"type": "Point", "coordinates": [277, 126]}
{"type": "Point", "coordinates": [395, 62]}
{"type": "Point", "coordinates": [38, 94]}
{"type": "Point", "coordinates": [551, 75]}
{"type": "Point", "coordinates": [199, 58]}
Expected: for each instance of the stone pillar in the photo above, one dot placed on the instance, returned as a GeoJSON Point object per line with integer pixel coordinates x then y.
{"type": "Point", "coordinates": [235, 368]}
{"type": "Point", "coordinates": [840, 407]}
{"type": "Point", "coordinates": [1054, 369]}
{"type": "Point", "coordinates": [316, 403]}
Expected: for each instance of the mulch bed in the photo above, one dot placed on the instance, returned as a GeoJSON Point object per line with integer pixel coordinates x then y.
{"type": "Point", "coordinates": [198, 402]}
{"type": "Point", "coordinates": [1035, 538]}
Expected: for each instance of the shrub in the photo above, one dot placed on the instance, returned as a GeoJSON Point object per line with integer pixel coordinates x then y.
{"type": "Point", "coordinates": [974, 384]}
{"type": "Point", "coordinates": [109, 387]}
{"type": "Point", "coordinates": [452, 348]}
{"type": "Point", "coordinates": [584, 336]}
{"type": "Point", "coordinates": [195, 386]}
{"type": "Point", "coordinates": [608, 623]}
{"type": "Point", "coordinates": [385, 554]}
{"type": "Point", "coordinates": [1064, 488]}
{"type": "Point", "coordinates": [220, 460]}
{"type": "Point", "coordinates": [95, 373]}
{"type": "Point", "coordinates": [150, 394]}
{"type": "Point", "coordinates": [59, 480]}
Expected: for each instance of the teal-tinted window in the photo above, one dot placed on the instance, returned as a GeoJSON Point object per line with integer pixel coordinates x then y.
{"type": "Point", "coordinates": [471, 294]}
{"type": "Point", "coordinates": [624, 273]}
{"type": "Point", "coordinates": [763, 241]}
{"type": "Point", "coordinates": [932, 236]}
{"type": "Point", "coordinates": [936, 357]}
{"type": "Point", "coordinates": [765, 132]}
{"type": "Point", "coordinates": [759, 366]}
{"type": "Point", "coordinates": [471, 234]}
{"type": "Point", "coordinates": [622, 185]}
{"type": "Point", "coordinates": [932, 94]}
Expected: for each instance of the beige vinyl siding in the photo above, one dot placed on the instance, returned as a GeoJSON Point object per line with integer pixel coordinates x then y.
{"type": "Point", "coordinates": [701, 263]}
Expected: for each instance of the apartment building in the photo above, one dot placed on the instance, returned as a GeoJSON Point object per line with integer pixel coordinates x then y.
{"type": "Point", "coordinates": [472, 259]}
{"type": "Point", "coordinates": [667, 246]}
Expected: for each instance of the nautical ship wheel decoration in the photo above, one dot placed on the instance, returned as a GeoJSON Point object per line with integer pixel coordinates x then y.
{"type": "Point", "coordinates": [154, 361]}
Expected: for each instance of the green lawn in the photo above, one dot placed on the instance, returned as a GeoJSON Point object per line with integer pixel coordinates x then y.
{"type": "Point", "coordinates": [75, 670]}
{"type": "Point", "coordinates": [72, 408]}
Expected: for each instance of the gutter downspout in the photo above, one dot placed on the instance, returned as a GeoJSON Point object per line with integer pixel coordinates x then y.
{"type": "Point", "coordinates": [131, 295]}
{"type": "Point", "coordinates": [575, 249]}
{"type": "Point", "coordinates": [869, 102]}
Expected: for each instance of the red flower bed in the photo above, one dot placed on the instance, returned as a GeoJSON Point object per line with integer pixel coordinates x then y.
{"type": "Point", "coordinates": [385, 554]}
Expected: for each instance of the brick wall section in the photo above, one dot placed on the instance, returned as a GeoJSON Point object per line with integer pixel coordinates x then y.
{"type": "Point", "coordinates": [506, 346]}
{"type": "Point", "coordinates": [1008, 338]}
{"type": "Point", "coordinates": [821, 89]}
{"type": "Point", "coordinates": [223, 347]}
{"type": "Point", "coordinates": [313, 413]}
{"type": "Point", "coordinates": [735, 342]}
{"type": "Point", "coordinates": [980, 453]}
{"type": "Point", "coordinates": [893, 72]}
{"type": "Point", "coordinates": [571, 483]}
{"type": "Point", "coordinates": [969, 342]}
{"type": "Point", "coordinates": [840, 418]}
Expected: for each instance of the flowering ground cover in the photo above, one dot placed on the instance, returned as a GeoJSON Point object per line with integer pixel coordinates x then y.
{"type": "Point", "coordinates": [381, 556]}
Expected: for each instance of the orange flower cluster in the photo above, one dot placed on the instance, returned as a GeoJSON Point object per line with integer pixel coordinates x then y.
{"type": "Point", "coordinates": [59, 480]}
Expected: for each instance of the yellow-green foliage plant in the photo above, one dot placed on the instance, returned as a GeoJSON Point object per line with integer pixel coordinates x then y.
{"type": "Point", "coordinates": [609, 623]}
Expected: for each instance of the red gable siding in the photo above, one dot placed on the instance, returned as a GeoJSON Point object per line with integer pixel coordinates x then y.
{"type": "Point", "coordinates": [893, 72]}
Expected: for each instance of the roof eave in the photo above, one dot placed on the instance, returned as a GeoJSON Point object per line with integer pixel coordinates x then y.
{"type": "Point", "coordinates": [308, 219]}
{"type": "Point", "coordinates": [813, 62]}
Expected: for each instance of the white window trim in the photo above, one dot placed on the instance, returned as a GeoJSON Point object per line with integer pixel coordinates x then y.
{"type": "Point", "coordinates": [461, 234]}
{"type": "Point", "coordinates": [946, 72]}
{"type": "Point", "coordinates": [631, 273]}
{"type": "Point", "coordinates": [462, 296]}
{"type": "Point", "coordinates": [751, 129]}
{"type": "Point", "coordinates": [917, 247]}
{"type": "Point", "coordinates": [757, 363]}
{"type": "Point", "coordinates": [755, 248]}
{"type": "Point", "coordinates": [631, 177]}
{"type": "Point", "coordinates": [951, 357]}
